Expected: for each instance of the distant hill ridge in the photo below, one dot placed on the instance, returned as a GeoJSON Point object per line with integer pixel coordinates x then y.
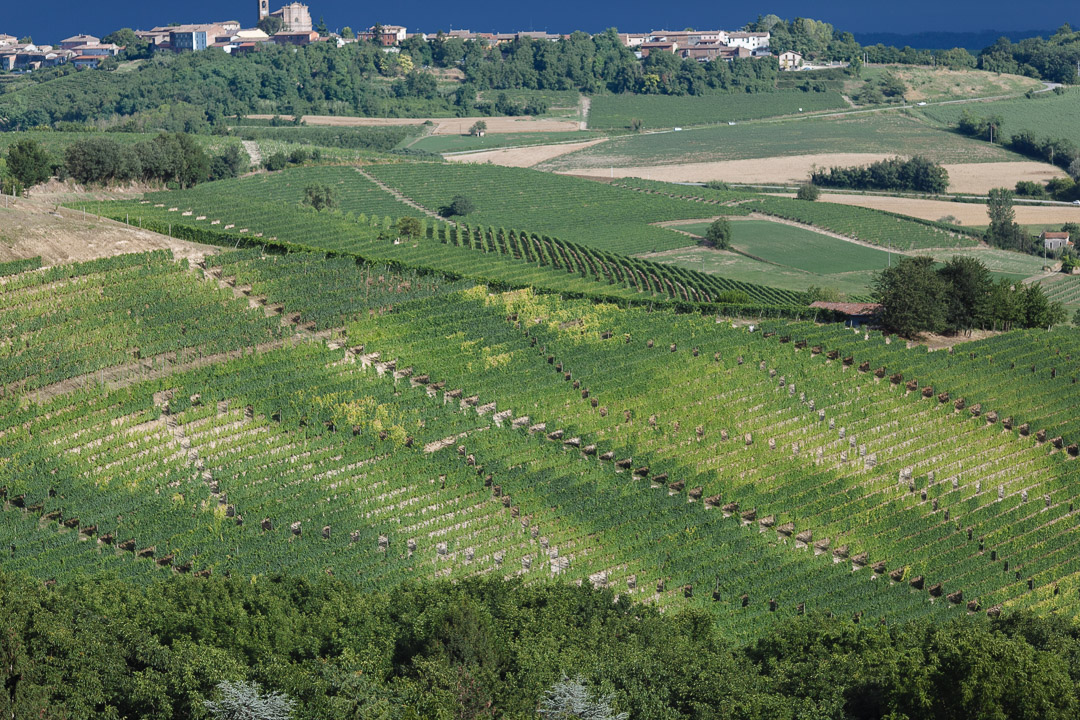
{"type": "Point", "coordinates": [972, 41]}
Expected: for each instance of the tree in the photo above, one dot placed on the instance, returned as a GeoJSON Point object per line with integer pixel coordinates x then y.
{"type": "Point", "coordinates": [347, 33]}
{"type": "Point", "coordinates": [571, 700]}
{"type": "Point", "coordinates": [913, 297]}
{"type": "Point", "coordinates": [1003, 231]}
{"type": "Point", "coordinates": [319, 196]}
{"type": "Point", "coordinates": [409, 227]}
{"type": "Point", "coordinates": [459, 206]}
{"type": "Point", "coordinates": [1076, 318]}
{"type": "Point", "coordinates": [478, 128]}
{"type": "Point", "coordinates": [271, 24]}
{"type": "Point", "coordinates": [134, 46]}
{"type": "Point", "coordinates": [719, 234]}
{"type": "Point", "coordinates": [1039, 311]}
{"type": "Point", "coordinates": [809, 192]}
{"type": "Point", "coordinates": [247, 701]}
{"type": "Point", "coordinates": [28, 161]}
{"type": "Point", "coordinates": [276, 162]}
{"type": "Point", "coordinates": [322, 29]}
{"type": "Point", "coordinates": [969, 284]}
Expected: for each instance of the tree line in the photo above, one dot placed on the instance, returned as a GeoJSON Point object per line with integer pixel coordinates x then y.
{"type": "Point", "coordinates": [917, 174]}
{"type": "Point", "coordinates": [100, 159]}
{"type": "Point", "coordinates": [485, 648]}
{"type": "Point", "coordinates": [917, 296]}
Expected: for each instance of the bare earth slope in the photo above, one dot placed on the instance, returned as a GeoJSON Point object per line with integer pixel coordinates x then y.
{"type": "Point", "coordinates": [59, 235]}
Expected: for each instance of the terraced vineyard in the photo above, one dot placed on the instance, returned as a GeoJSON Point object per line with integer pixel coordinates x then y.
{"type": "Point", "coordinates": [453, 431]}
{"type": "Point", "coordinates": [258, 211]}
{"type": "Point", "coordinates": [75, 320]}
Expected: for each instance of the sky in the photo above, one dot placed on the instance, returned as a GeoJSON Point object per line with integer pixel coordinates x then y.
{"type": "Point", "coordinates": [57, 19]}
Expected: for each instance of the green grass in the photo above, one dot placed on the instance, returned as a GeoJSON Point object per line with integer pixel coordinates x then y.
{"type": "Point", "coordinates": [458, 143]}
{"type": "Point", "coordinates": [663, 111]}
{"type": "Point", "coordinates": [887, 133]}
{"type": "Point", "coordinates": [794, 247]}
{"type": "Point", "coordinates": [1045, 115]}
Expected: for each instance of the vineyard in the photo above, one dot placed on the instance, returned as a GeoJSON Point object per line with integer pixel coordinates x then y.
{"type": "Point", "coordinates": [581, 211]}
{"type": "Point", "coordinates": [1064, 289]}
{"type": "Point", "coordinates": [267, 210]}
{"type": "Point", "coordinates": [412, 427]}
{"type": "Point", "coordinates": [886, 133]}
{"type": "Point", "coordinates": [873, 226]}
{"type": "Point", "coordinates": [656, 111]}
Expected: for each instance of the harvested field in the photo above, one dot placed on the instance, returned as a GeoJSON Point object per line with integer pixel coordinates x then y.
{"type": "Point", "coordinates": [980, 178]}
{"type": "Point", "coordinates": [443, 126]}
{"type": "Point", "coordinates": [522, 157]}
{"type": "Point", "coordinates": [63, 235]}
{"type": "Point", "coordinates": [972, 214]}
{"type": "Point", "coordinates": [783, 170]}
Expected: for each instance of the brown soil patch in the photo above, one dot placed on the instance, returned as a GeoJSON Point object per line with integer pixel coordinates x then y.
{"type": "Point", "coordinates": [966, 213]}
{"type": "Point", "coordinates": [61, 235]}
{"type": "Point", "coordinates": [980, 178]}
{"type": "Point", "coordinates": [444, 126]}
{"type": "Point", "coordinates": [780, 170]}
{"type": "Point", "coordinates": [522, 157]}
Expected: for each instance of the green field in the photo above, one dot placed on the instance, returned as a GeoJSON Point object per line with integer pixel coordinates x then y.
{"type": "Point", "coordinates": [581, 211]}
{"type": "Point", "coordinates": [491, 141]}
{"type": "Point", "coordinates": [1045, 115]}
{"type": "Point", "coordinates": [801, 249]}
{"type": "Point", "coordinates": [885, 132]}
{"type": "Point", "coordinates": [663, 111]}
{"type": "Point", "coordinates": [737, 266]}
{"type": "Point", "coordinates": [784, 256]}
{"type": "Point", "coordinates": [886, 230]}
{"type": "Point", "coordinates": [268, 209]}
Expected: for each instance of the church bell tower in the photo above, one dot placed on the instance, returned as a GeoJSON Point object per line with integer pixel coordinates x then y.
{"type": "Point", "coordinates": [264, 8]}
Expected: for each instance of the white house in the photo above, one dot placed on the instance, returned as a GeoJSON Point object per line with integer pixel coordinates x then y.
{"type": "Point", "coordinates": [790, 60]}
{"type": "Point", "coordinates": [748, 40]}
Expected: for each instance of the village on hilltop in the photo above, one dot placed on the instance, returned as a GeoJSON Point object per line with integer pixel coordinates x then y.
{"type": "Point", "coordinates": [292, 25]}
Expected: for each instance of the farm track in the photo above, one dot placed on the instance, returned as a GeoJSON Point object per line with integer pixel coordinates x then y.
{"type": "Point", "coordinates": [403, 198]}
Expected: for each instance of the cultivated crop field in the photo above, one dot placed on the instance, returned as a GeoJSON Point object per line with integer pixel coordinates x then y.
{"type": "Point", "coordinates": [415, 428]}
{"type": "Point", "coordinates": [463, 143]}
{"type": "Point", "coordinates": [615, 112]}
{"type": "Point", "coordinates": [581, 211]}
{"type": "Point", "coordinates": [797, 248]}
{"type": "Point", "coordinates": [1045, 115]}
{"type": "Point", "coordinates": [266, 209]}
{"type": "Point", "coordinates": [885, 132]}
{"type": "Point", "coordinates": [735, 266]}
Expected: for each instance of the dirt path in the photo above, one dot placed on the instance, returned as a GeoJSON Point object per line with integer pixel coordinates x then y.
{"type": "Point", "coordinates": [585, 105]}
{"type": "Point", "coordinates": [252, 149]}
{"type": "Point", "coordinates": [674, 225]}
{"type": "Point", "coordinates": [402, 198]}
